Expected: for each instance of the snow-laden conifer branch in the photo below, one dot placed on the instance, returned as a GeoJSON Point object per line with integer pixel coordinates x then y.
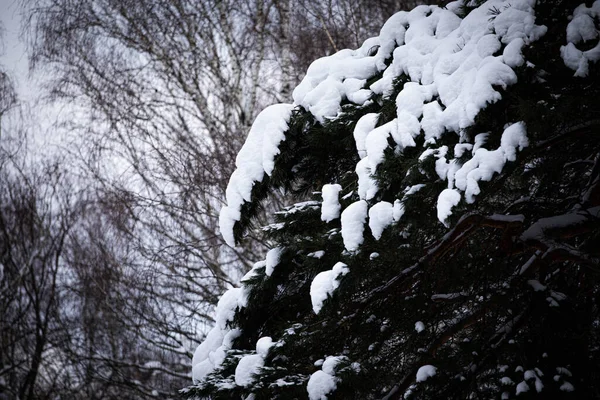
{"type": "Point", "coordinates": [431, 143]}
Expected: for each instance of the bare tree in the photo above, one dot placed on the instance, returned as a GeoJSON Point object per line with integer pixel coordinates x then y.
{"type": "Point", "coordinates": [35, 217]}
{"type": "Point", "coordinates": [164, 94]}
{"type": "Point", "coordinates": [159, 98]}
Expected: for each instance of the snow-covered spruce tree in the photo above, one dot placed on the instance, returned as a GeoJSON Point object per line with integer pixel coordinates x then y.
{"type": "Point", "coordinates": [447, 242]}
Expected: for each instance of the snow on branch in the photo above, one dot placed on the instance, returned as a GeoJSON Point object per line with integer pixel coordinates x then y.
{"type": "Point", "coordinates": [255, 159]}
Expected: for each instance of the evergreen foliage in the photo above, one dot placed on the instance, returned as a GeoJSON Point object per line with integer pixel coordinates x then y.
{"type": "Point", "coordinates": [500, 310]}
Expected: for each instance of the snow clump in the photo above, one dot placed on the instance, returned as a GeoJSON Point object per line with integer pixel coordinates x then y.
{"type": "Point", "coordinates": [330, 208]}
{"type": "Point", "coordinates": [353, 221]}
{"type": "Point", "coordinates": [272, 260]}
{"type": "Point", "coordinates": [426, 372]}
{"type": "Point", "coordinates": [251, 364]}
{"type": "Point", "coordinates": [583, 27]}
{"type": "Point", "coordinates": [325, 283]}
{"type": "Point", "coordinates": [323, 382]}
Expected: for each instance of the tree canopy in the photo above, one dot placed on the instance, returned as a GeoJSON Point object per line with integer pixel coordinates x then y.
{"type": "Point", "coordinates": [446, 240]}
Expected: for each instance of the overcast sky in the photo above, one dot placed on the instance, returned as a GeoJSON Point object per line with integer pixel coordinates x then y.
{"type": "Point", "coordinates": [13, 60]}
{"type": "Point", "coordinates": [12, 53]}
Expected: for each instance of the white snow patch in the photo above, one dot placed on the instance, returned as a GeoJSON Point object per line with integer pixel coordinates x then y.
{"type": "Point", "coordinates": [320, 385]}
{"type": "Point", "coordinates": [211, 352]}
{"type": "Point", "coordinates": [247, 367]}
{"type": "Point", "coordinates": [514, 137]}
{"type": "Point", "coordinates": [398, 210]}
{"type": "Point", "coordinates": [419, 326]}
{"type": "Point", "coordinates": [254, 271]}
{"type": "Point", "coordinates": [538, 230]}
{"type": "Point", "coordinates": [563, 371]}
{"type": "Point", "coordinates": [582, 28]}
{"type": "Point", "coordinates": [231, 300]}
{"type": "Point", "coordinates": [425, 372]}
{"type": "Point", "coordinates": [410, 190]}
{"type": "Point", "coordinates": [255, 159]}
{"type": "Point", "coordinates": [448, 296]}
{"type": "Point", "coordinates": [331, 79]}
{"type": "Point", "coordinates": [460, 149]}
{"type": "Point", "coordinates": [377, 141]}
{"type": "Point", "coordinates": [380, 217]}
{"type": "Point", "coordinates": [536, 285]}
{"type": "Point", "coordinates": [330, 208]}
{"type": "Point", "coordinates": [512, 55]}
{"type": "Point", "coordinates": [446, 200]}
{"type": "Point", "coordinates": [367, 186]}
{"type": "Point", "coordinates": [272, 260]}
{"type": "Point", "coordinates": [330, 363]}
{"type": "Point", "coordinates": [324, 284]}
{"type": "Point", "coordinates": [522, 387]}
{"type": "Point", "coordinates": [316, 254]}
{"type": "Point", "coordinates": [353, 221]}
{"type": "Point", "coordinates": [506, 381]}
{"type": "Point", "coordinates": [323, 382]}
{"type": "Point", "coordinates": [485, 163]}
{"type": "Point", "coordinates": [539, 386]}
{"type": "Point", "coordinates": [567, 387]}
{"type": "Point", "coordinates": [365, 124]}
{"type": "Point", "coordinates": [263, 345]}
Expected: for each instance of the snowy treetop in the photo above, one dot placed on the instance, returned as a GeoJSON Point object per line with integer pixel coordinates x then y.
{"type": "Point", "coordinates": [455, 67]}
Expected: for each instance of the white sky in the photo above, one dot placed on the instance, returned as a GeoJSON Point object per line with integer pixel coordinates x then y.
{"type": "Point", "coordinates": [38, 117]}
{"type": "Point", "coordinates": [13, 57]}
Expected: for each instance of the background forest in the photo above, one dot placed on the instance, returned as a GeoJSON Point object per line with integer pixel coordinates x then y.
{"type": "Point", "coordinates": [110, 257]}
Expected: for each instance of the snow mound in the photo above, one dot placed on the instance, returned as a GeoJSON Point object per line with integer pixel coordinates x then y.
{"type": "Point", "coordinates": [364, 125]}
{"type": "Point", "coordinates": [316, 254]}
{"type": "Point", "coordinates": [254, 271]}
{"type": "Point", "coordinates": [419, 326]}
{"type": "Point", "coordinates": [250, 364]}
{"type": "Point", "coordinates": [485, 162]}
{"type": "Point", "coordinates": [263, 345]}
{"type": "Point", "coordinates": [446, 200]}
{"type": "Point", "coordinates": [522, 387]}
{"type": "Point", "coordinates": [567, 387]}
